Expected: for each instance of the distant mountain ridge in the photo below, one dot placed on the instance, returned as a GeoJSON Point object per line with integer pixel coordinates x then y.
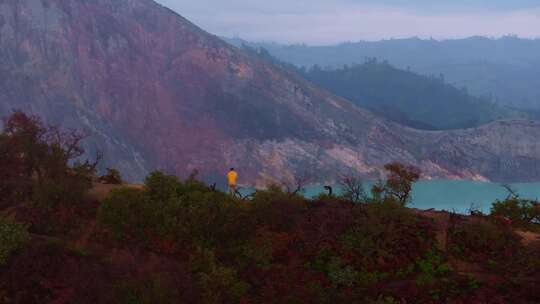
{"type": "Point", "coordinates": [505, 69]}
{"type": "Point", "coordinates": [157, 92]}
{"type": "Point", "coordinates": [407, 98]}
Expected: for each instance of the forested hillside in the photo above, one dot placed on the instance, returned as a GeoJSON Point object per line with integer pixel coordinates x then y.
{"type": "Point", "coordinates": [505, 69]}
{"type": "Point", "coordinates": [408, 98]}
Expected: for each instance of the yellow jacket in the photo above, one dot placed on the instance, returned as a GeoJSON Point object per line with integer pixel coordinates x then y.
{"type": "Point", "coordinates": [232, 176]}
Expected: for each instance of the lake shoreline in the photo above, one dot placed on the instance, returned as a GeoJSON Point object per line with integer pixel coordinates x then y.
{"type": "Point", "coordinates": [458, 196]}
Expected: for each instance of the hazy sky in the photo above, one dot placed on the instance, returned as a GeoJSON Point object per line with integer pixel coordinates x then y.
{"type": "Point", "coordinates": [334, 21]}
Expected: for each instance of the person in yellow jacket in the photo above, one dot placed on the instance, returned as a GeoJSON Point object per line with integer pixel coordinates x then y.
{"type": "Point", "coordinates": [232, 178]}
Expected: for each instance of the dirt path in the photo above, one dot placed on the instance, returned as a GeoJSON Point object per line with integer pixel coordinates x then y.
{"type": "Point", "coordinates": [100, 191]}
{"type": "Point", "coordinates": [528, 238]}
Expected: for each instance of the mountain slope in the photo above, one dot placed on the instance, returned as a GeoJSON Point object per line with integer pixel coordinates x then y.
{"type": "Point", "coordinates": [156, 92]}
{"type": "Point", "coordinates": [504, 69]}
{"type": "Point", "coordinates": [408, 98]}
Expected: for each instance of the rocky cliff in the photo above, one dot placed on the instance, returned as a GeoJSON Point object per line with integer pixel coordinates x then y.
{"type": "Point", "coordinates": [156, 92]}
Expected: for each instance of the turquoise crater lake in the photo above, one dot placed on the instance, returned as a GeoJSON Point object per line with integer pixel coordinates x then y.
{"type": "Point", "coordinates": [453, 195]}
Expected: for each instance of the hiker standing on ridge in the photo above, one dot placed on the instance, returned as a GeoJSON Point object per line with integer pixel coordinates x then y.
{"type": "Point", "coordinates": [232, 176]}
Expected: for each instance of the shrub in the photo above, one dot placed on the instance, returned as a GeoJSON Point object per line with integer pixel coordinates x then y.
{"type": "Point", "coordinates": [169, 213]}
{"type": "Point", "coordinates": [523, 213]}
{"type": "Point", "coordinates": [483, 241]}
{"type": "Point", "coordinates": [431, 267]}
{"type": "Point", "coordinates": [219, 284]}
{"type": "Point", "coordinates": [382, 300]}
{"type": "Point", "coordinates": [398, 185]}
{"type": "Point", "coordinates": [152, 290]}
{"type": "Point", "coordinates": [162, 187]}
{"type": "Point", "coordinates": [12, 237]}
{"type": "Point", "coordinates": [15, 184]}
{"type": "Point", "coordinates": [386, 234]}
{"type": "Point", "coordinates": [112, 177]}
{"type": "Point", "coordinates": [277, 209]}
{"type": "Point", "coordinates": [341, 274]}
{"type": "Point", "coordinates": [125, 212]}
{"type": "Point", "coordinates": [142, 215]}
{"type": "Point", "coordinates": [68, 190]}
{"type": "Point", "coordinates": [264, 246]}
{"type": "Point", "coordinates": [36, 160]}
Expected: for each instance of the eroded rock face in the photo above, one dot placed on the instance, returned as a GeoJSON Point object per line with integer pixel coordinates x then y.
{"type": "Point", "coordinates": [157, 92]}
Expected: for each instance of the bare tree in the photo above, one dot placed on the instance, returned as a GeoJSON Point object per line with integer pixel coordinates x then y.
{"type": "Point", "coordinates": [353, 188]}
{"type": "Point", "coordinates": [297, 185]}
{"type": "Point", "coordinates": [36, 155]}
{"type": "Point", "coordinates": [238, 194]}
{"type": "Point", "coordinates": [512, 193]}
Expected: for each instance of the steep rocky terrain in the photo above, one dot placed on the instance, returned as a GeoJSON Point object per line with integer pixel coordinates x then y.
{"type": "Point", "coordinates": [156, 92]}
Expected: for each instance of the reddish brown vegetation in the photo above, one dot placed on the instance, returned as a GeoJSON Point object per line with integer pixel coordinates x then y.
{"type": "Point", "coordinates": [175, 241]}
{"type": "Point", "coordinates": [276, 251]}
{"type": "Point", "coordinates": [41, 176]}
{"type": "Point", "coordinates": [399, 182]}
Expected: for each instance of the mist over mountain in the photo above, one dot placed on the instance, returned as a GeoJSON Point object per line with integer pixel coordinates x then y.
{"type": "Point", "coordinates": [405, 97]}
{"type": "Point", "coordinates": [408, 98]}
{"type": "Point", "coordinates": [504, 69]}
{"type": "Point", "coordinates": [155, 91]}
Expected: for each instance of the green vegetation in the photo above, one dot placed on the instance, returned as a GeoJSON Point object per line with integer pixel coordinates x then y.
{"type": "Point", "coordinates": [520, 212]}
{"type": "Point", "coordinates": [417, 101]}
{"type": "Point", "coordinates": [148, 291]}
{"type": "Point", "coordinates": [340, 245]}
{"type": "Point", "coordinates": [181, 241]}
{"type": "Point", "coordinates": [166, 213]}
{"type": "Point", "coordinates": [41, 164]}
{"type": "Point", "coordinates": [431, 267]}
{"type": "Point", "coordinates": [112, 177]}
{"type": "Point", "coordinates": [35, 163]}
{"type": "Point", "coordinates": [504, 69]}
{"type": "Point", "coordinates": [411, 99]}
{"type": "Point", "coordinates": [12, 237]}
{"type": "Point", "coordinates": [483, 241]}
